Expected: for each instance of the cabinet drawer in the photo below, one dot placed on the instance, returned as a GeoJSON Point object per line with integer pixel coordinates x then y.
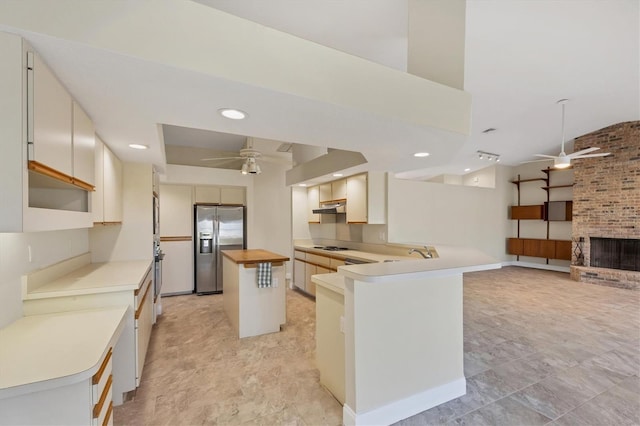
{"type": "Point", "coordinates": [300, 255]}
{"type": "Point", "coordinates": [335, 263]}
{"type": "Point", "coordinates": [563, 250]}
{"type": "Point", "coordinates": [539, 248]}
{"type": "Point", "coordinates": [527, 212]}
{"type": "Point", "coordinates": [515, 246]}
{"type": "Point", "coordinates": [318, 260]}
{"type": "Point", "coordinates": [103, 410]}
{"type": "Point", "coordinates": [101, 406]}
{"type": "Point", "coordinates": [142, 292]}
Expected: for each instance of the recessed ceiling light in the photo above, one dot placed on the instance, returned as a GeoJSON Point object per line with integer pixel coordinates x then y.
{"type": "Point", "coordinates": [467, 169]}
{"type": "Point", "coordinates": [234, 114]}
{"type": "Point", "coordinates": [421, 154]}
{"type": "Point", "coordinates": [338, 175]}
{"type": "Point", "coordinates": [138, 146]}
{"type": "Point", "coordinates": [303, 184]}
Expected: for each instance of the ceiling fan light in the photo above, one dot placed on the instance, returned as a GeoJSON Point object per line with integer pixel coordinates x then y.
{"type": "Point", "coordinates": [561, 162]}
{"type": "Point", "coordinates": [245, 169]}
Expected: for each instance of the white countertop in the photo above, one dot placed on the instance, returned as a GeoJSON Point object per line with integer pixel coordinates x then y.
{"type": "Point", "coordinates": [41, 352]}
{"type": "Point", "coordinates": [95, 278]}
{"type": "Point", "coordinates": [333, 281]}
{"type": "Point", "coordinates": [354, 254]}
{"type": "Point", "coordinates": [451, 260]}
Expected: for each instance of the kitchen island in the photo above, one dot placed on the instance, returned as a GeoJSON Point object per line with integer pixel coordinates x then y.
{"type": "Point", "coordinates": [253, 310]}
{"type": "Point", "coordinates": [403, 340]}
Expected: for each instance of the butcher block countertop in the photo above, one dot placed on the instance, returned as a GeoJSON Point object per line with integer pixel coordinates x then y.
{"type": "Point", "coordinates": [253, 256]}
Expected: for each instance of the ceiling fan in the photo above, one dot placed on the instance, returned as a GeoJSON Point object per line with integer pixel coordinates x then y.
{"type": "Point", "coordinates": [563, 160]}
{"type": "Point", "coordinates": [250, 157]}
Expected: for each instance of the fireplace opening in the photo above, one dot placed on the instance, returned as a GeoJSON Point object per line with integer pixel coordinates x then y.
{"type": "Point", "coordinates": [615, 253]}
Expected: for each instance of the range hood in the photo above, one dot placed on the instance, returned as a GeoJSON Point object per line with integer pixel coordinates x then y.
{"type": "Point", "coordinates": [331, 208]}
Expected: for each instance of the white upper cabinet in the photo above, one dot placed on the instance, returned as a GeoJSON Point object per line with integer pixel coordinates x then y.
{"type": "Point", "coordinates": [357, 199]}
{"type": "Point", "coordinates": [366, 198]}
{"type": "Point", "coordinates": [49, 118]}
{"type": "Point", "coordinates": [325, 192]}
{"type": "Point", "coordinates": [36, 121]}
{"type": "Point", "coordinates": [107, 198]}
{"type": "Point", "coordinates": [313, 202]}
{"type": "Point", "coordinates": [176, 211]}
{"type": "Point", "coordinates": [84, 144]}
{"type": "Point", "coordinates": [208, 194]}
{"type": "Point", "coordinates": [339, 189]}
{"type": "Point", "coordinates": [112, 187]}
{"type": "Point", "coordinates": [220, 195]}
{"type": "Point", "coordinates": [230, 195]}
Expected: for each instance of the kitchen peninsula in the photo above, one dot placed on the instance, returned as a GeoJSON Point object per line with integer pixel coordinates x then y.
{"type": "Point", "coordinates": [253, 310]}
{"type": "Point", "coordinates": [408, 314]}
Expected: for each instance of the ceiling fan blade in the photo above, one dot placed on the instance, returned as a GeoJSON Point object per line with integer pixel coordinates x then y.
{"type": "Point", "coordinates": [545, 156]}
{"type": "Point", "coordinates": [220, 158]}
{"type": "Point", "coordinates": [536, 161]}
{"type": "Point", "coordinates": [603, 154]}
{"type": "Point", "coordinates": [583, 151]}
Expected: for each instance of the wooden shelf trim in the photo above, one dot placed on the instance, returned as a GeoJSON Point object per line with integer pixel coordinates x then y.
{"type": "Point", "coordinates": [528, 180]}
{"type": "Point", "coordinates": [96, 377]}
{"type": "Point", "coordinates": [98, 407]}
{"type": "Point", "coordinates": [557, 186]}
{"type": "Point", "coordinates": [141, 304]}
{"type": "Point", "coordinates": [255, 265]}
{"type": "Point", "coordinates": [107, 417]}
{"type": "Point", "coordinates": [45, 170]}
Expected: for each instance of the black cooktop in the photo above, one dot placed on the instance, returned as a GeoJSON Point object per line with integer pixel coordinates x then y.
{"type": "Point", "coordinates": [331, 248]}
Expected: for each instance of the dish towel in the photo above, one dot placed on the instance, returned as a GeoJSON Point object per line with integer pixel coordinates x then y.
{"type": "Point", "coordinates": [263, 274]}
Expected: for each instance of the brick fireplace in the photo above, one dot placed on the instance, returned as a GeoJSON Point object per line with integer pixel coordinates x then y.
{"type": "Point", "coordinates": [606, 202]}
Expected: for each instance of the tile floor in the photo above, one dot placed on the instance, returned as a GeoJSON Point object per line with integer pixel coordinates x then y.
{"type": "Point", "coordinates": [539, 349]}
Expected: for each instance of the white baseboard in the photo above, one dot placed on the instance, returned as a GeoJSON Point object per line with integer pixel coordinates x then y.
{"type": "Point", "coordinates": [407, 407]}
{"type": "Point", "coordinates": [556, 268]}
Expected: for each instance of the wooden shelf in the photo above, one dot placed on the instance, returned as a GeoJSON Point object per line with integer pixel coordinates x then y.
{"type": "Point", "coordinates": [546, 188]}
{"type": "Point", "coordinates": [528, 180]}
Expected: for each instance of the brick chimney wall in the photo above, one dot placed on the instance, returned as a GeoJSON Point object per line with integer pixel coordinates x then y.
{"type": "Point", "coordinates": [606, 198]}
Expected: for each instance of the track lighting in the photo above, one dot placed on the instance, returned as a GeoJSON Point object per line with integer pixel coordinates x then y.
{"type": "Point", "coordinates": [489, 156]}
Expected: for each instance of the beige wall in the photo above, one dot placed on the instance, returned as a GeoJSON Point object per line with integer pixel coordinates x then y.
{"type": "Point", "coordinates": [434, 213]}
{"type": "Point", "coordinates": [46, 248]}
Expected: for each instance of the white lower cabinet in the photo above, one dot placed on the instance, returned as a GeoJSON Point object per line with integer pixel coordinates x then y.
{"type": "Point", "coordinates": [144, 323]}
{"type": "Point", "coordinates": [177, 267]}
{"type": "Point", "coordinates": [307, 264]}
{"type": "Point", "coordinates": [128, 360]}
{"type": "Point", "coordinates": [330, 341]}
{"type": "Point", "coordinates": [299, 277]}
{"type": "Point", "coordinates": [88, 402]}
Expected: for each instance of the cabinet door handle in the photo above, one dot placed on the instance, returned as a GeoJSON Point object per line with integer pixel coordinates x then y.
{"type": "Point", "coordinates": [30, 107]}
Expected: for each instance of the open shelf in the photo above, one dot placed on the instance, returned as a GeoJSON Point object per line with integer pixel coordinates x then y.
{"type": "Point", "coordinates": [556, 186]}
{"type": "Point", "coordinates": [528, 180]}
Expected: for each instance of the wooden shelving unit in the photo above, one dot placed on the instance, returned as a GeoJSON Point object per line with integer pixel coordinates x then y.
{"type": "Point", "coordinates": [546, 248]}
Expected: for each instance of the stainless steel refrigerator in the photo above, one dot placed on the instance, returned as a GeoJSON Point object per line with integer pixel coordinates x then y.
{"type": "Point", "coordinates": [216, 228]}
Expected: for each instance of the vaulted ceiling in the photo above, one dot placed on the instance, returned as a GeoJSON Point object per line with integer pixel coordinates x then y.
{"type": "Point", "coordinates": [137, 65]}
